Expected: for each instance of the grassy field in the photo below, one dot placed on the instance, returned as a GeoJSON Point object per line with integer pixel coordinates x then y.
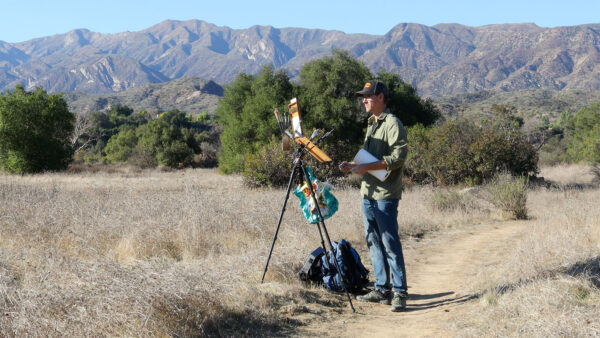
{"type": "Point", "coordinates": [181, 253]}
{"type": "Point", "coordinates": [548, 284]}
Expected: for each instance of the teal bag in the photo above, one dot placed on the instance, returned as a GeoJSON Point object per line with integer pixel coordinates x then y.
{"type": "Point", "coordinates": [327, 202]}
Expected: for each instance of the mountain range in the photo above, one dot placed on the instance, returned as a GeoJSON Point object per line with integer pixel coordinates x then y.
{"type": "Point", "coordinates": [440, 60]}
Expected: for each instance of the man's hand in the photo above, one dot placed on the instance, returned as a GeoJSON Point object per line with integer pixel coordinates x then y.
{"type": "Point", "coordinates": [346, 167]}
{"type": "Point", "coordinates": [361, 169]}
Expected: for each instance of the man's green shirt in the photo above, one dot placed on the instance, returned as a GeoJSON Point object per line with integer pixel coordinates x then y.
{"type": "Point", "coordinates": [386, 140]}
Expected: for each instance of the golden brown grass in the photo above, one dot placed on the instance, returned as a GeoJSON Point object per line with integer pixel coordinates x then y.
{"type": "Point", "coordinates": [129, 254]}
{"type": "Point", "coordinates": [164, 253]}
{"type": "Point", "coordinates": [548, 283]}
{"type": "Point", "coordinates": [181, 253]}
{"type": "Point", "coordinates": [570, 174]}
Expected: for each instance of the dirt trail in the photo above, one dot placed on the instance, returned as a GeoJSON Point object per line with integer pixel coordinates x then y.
{"type": "Point", "coordinates": [439, 272]}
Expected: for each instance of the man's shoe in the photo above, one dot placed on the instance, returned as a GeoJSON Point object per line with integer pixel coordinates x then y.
{"type": "Point", "coordinates": [398, 302]}
{"type": "Point", "coordinates": [376, 296]}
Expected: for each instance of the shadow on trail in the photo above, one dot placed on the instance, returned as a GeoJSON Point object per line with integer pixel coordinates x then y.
{"type": "Point", "coordinates": [411, 306]}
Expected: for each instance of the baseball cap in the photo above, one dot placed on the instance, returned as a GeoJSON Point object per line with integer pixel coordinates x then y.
{"type": "Point", "coordinates": [373, 87]}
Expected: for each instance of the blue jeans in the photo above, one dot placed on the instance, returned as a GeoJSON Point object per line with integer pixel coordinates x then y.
{"type": "Point", "coordinates": [381, 232]}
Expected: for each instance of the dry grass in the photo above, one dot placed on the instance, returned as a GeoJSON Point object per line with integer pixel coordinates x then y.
{"type": "Point", "coordinates": [165, 253]}
{"type": "Point", "coordinates": [133, 253]}
{"type": "Point", "coordinates": [548, 285]}
{"type": "Point", "coordinates": [571, 175]}
{"type": "Point", "coordinates": [129, 254]}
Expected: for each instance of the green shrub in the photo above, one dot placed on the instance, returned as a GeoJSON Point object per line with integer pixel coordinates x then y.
{"type": "Point", "coordinates": [172, 140]}
{"type": "Point", "coordinates": [418, 165]}
{"type": "Point", "coordinates": [121, 146]}
{"type": "Point", "coordinates": [509, 194]}
{"type": "Point", "coordinates": [496, 150]}
{"type": "Point", "coordinates": [459, 151]}
{"type": "Point", "coordinates": [269, 166]}
{"type": "Point", "coordinates": [176, 154]}
{"type": "Point", "coordinates": [449, 155]}
{"type": "Point", "coordinates": [582, 135]}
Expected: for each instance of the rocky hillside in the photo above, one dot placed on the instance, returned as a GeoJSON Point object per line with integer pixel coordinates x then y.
{"type": "Point", "coordinates": [192, 95]}
{"type": "Point", "coordinates": [440, 60]}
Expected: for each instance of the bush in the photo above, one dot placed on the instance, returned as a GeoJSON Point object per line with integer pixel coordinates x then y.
{"type": "Point", "coordinates": [176, 154]}
{"type": "Point", "coordinates": [497, 150]}
{"type": "Point", "coordinates": [459, 151]}
{"type": "Point", "coordinates": [509, 194]}
{"type": "Point", "coordinates": [418, 166]}
{"type": "Point", "coordinates": [448, 152]}
{"type": "Point", "coordinates": [582, 135]}
{"type": "Point", "coordinates": [172, 140]}
{"type": "Point", "coordinates": [269, 166]}
{"type": "Point", "coordinates": [121, 146]}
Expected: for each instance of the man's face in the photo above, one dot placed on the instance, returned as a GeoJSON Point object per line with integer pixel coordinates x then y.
{"type": "Point", "coordinates": [373, 103]}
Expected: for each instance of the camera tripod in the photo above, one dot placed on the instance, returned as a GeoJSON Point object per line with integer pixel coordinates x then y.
{"type": "Point", "coordinates": [301, 170]}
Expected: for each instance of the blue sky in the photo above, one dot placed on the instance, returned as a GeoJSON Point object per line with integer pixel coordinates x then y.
{"type": "Point", "coordinates": [21, 20]}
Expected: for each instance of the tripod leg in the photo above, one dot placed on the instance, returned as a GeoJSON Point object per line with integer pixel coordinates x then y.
{"type": "Point", "coordinates": [287, 196]}
{"type": "Point", "coordinates": [322, 223]}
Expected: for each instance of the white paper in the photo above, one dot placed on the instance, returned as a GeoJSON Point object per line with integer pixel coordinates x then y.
{"type": "Point", "coordinates": [364, 156]}
{"type": "Point", "coordinates": [296, 122]}
{"type": "Point", "coordinates": [297, 127]}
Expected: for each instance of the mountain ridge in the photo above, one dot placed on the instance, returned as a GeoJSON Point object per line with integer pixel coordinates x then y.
{"type": "Point", "coordinates": [440, 60]}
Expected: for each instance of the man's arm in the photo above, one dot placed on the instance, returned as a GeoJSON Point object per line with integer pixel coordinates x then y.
{"type": "Point", "coordinates": [398, 146]}
{"type": "Point", "coordinates": [361, 169]}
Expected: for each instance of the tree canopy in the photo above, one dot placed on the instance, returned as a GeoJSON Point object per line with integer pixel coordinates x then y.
{"type": "Point", "coordinates": [246, 114]}
{"type": "Point", "coordinates": [326, 95]}
{"type": "Point", "coordinates": [35, 131]}
{"type": "Point", "coordinates": [404, 101]}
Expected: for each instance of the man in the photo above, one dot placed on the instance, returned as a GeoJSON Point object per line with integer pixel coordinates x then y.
{"type": "Point", "coordinates": [386, 140]}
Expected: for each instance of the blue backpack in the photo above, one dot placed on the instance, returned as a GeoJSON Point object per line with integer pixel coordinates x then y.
{"type": "Point", "coordinates": [354, 273]}
{"type": "Point", "coordinates": [318, 270]}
